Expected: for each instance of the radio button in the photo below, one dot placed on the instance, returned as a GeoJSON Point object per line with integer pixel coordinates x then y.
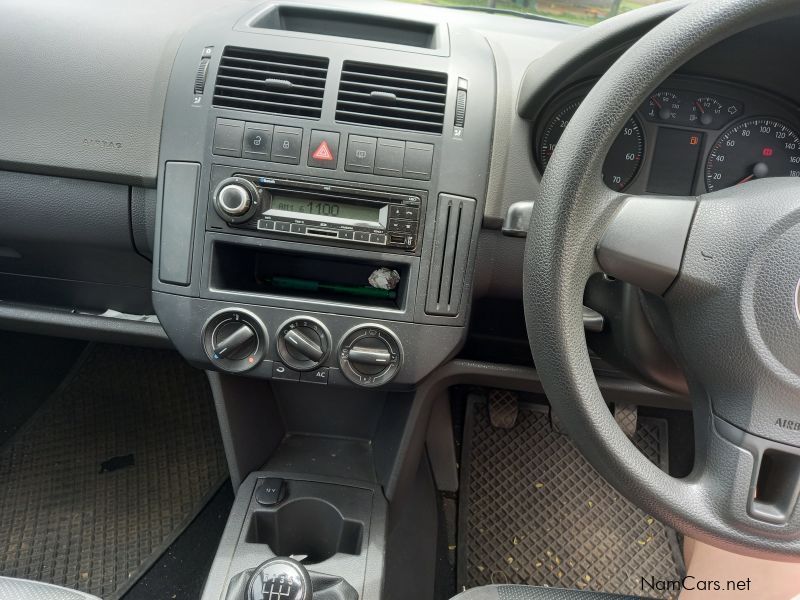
{"type": "Point", "coordinates": [297, 228]}
{"type": "Point", "coordinates": [360, 156]}
{"type": "Point", "coordinates": [361, 236]}
{"type": "Point", "coordinates": [378, 238]}
{"type": "Point", "coordinates": [345, 234]}
{"type": "Point", "coordinates": [286, 143]}
{"type": "Point", "coordinates": [401, 226]}
{"type": "Point", "coordinates": [389, 158]}
{"type": "Point", "coordinates": [281, 226]}
{"type": "Point", "coordinates": [266, 225]}
{"type": "Point", "coordinates": [404, 212]}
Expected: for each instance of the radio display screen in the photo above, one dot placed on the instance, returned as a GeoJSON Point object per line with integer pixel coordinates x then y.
{"type": "Point", "coordinates": [325, 208]}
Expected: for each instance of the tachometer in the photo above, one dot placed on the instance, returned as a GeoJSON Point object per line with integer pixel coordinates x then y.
{"type": "Point", "coordinates": [753, 149]}
{"type": "Point", "coordinates": [623, 159]}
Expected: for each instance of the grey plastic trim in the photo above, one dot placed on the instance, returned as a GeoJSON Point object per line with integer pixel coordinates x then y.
{"type": "Point", "coordinates": [254, 23]}
{"type": "Point", "coordinates": [592, 320]}
{"type": "Point", "coordinates": [179, 207]}
{"type": "Point", "coordinates": [64, 323]}
{"type": "Point", "coordinates": [546, 75]}
{"type": "Point", "coordinates": [451, 248]}
{"type": "Point", "coordinates": [518, 219]}
{"type": "Point", "coordinates": [779, 513]}
{"type": "Point", "coordinates": [644, 243]}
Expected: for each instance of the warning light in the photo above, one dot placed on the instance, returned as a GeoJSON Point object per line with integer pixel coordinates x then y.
{"type": "Point", "coordinates": [766, 152]}
{"type": "Point", "coordinates": [251, 360]}
{"type": "Point", "coordinates": [323, 152]}
{"type": "Point", "coordinates": [694, 140]}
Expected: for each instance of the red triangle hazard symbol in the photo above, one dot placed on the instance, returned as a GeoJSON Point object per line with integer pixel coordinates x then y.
{"type": "Point", "coordinates": [323, 152]}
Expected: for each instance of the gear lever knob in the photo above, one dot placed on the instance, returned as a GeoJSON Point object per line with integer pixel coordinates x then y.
{"type": "Point", "coordinates": [280, 579]}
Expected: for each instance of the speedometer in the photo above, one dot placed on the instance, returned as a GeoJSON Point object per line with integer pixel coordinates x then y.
{"type": "Point", "coordinates": [623, 159]}
{"type": "Point", "coordinates": [753, 149]}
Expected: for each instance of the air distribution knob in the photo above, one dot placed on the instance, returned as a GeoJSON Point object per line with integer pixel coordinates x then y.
{"type": "Point", "coordinates": [235, 199]}
{"type": "Point", "coordinates": [370, 355]}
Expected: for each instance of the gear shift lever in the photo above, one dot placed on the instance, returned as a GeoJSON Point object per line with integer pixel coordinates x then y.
{"type": "Point", "coordinates": [280, 579]}
{"type": "Point", "coordinates": [286, 579]}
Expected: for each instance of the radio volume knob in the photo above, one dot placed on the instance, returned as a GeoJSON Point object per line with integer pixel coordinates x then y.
{"type": "Point", "coordinates": [235, 199]}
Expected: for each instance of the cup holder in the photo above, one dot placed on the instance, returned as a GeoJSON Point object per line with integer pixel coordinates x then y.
{"type": "Point", "coordinates": [305, 526]}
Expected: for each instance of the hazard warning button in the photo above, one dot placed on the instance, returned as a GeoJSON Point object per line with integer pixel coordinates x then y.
{"type": "Point", "coordinates": [323, 150]}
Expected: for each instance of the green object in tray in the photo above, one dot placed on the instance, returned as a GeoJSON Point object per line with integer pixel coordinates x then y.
{"type": "Point", "coordinates": [310, 285]}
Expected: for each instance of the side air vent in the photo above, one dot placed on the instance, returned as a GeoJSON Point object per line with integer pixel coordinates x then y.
{"type": "Point", "coordinates": [271, 82]}
{"type": "Point", "coordinates": [392, 97]}
{"type": "Point", "coordinates": [454, 219]}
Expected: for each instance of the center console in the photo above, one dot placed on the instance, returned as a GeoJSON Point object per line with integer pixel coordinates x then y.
{"type": "Point", "coordinates": [297, 169]}
{"type": "Point", "coordinates": [322, 178]}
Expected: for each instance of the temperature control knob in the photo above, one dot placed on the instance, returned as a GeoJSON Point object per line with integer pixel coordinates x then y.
{"type": "Point", "coordinates": [370, 355]}
{"type": "Point", "coordinates": [235, 340]}
{"type": "Point", "coordinates": [235, 199]}
{"type": "Point", "coordinates": [303, 343]}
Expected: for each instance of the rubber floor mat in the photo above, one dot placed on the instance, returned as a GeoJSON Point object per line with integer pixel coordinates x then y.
{"type": "Point", "coordinates": [109, 471]}
{"type": "Point", "coordinates": [533, 511]}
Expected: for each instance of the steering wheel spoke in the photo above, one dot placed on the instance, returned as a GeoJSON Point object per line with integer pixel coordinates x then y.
{"type": "Point", "coordinates": [645, 240]}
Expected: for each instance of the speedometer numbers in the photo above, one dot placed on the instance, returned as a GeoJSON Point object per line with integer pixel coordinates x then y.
{"type": "Point", "coordinates": [623, 159]}
{"type": "Point", "coordinates": [753, 149]}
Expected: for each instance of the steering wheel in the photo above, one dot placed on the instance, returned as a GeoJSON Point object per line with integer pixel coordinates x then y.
{"type": "Point", "coordinates": [721, 273]}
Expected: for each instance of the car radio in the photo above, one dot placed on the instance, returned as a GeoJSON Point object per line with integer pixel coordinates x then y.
{"type": "Point", "coordinates": [366, 216]}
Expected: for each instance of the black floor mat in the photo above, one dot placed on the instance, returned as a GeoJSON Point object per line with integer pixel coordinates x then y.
{"type": "Point", "coordinates": [533, 511]}
{"type": "Point", "coordinates": [181, 572]}
{"type": "Point", "coordinates": [109, 471]}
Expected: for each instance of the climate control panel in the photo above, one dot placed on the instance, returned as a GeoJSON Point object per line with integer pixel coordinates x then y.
{"type": "Point", "coordinates": [236, 341]}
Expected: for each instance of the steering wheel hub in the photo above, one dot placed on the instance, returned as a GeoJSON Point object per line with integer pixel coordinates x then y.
{"type": "Point", "coordinates": [733, 305]}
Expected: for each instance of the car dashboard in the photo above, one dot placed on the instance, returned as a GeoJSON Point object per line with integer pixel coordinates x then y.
{"type": "Point", "coordinates": [315, 192]}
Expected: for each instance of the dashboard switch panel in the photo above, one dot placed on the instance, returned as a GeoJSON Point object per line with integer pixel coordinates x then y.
{"type": "Point", "coordinates": [257, 141]}
{"type": "Point", "coordinates": [418, 161]}
{"type": "Point", "coordinates": [228, 135]}
{"type": "Point", "coordinates": [323, 149]}
{"type": "Point", "coordinates": [389, 158]}
{"type": "Point", "coordinates": [360, 154]}
{"type": "Point", "coordinates": [286, 143]}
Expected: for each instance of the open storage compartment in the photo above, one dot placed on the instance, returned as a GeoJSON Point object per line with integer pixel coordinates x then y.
{"type": "Point", "coordinates": [257, 270]}
{"type": "Point", "coordinates": [307, 526]}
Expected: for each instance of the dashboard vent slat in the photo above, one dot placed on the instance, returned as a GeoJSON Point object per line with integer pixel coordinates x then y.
{"type": "Point", "coordinates": [272, 82]}
{"type": "Point", "coordinates": [392, 97]}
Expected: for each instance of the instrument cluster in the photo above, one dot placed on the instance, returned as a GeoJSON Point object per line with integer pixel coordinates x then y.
{"type": "Point", "coordinates": [691, 136]}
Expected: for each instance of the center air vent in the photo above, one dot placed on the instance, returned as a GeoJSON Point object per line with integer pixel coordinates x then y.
{"type": "Point", "coordinates": [392, 97]}
{"type": "Point", "coordinates": [271, 82]}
